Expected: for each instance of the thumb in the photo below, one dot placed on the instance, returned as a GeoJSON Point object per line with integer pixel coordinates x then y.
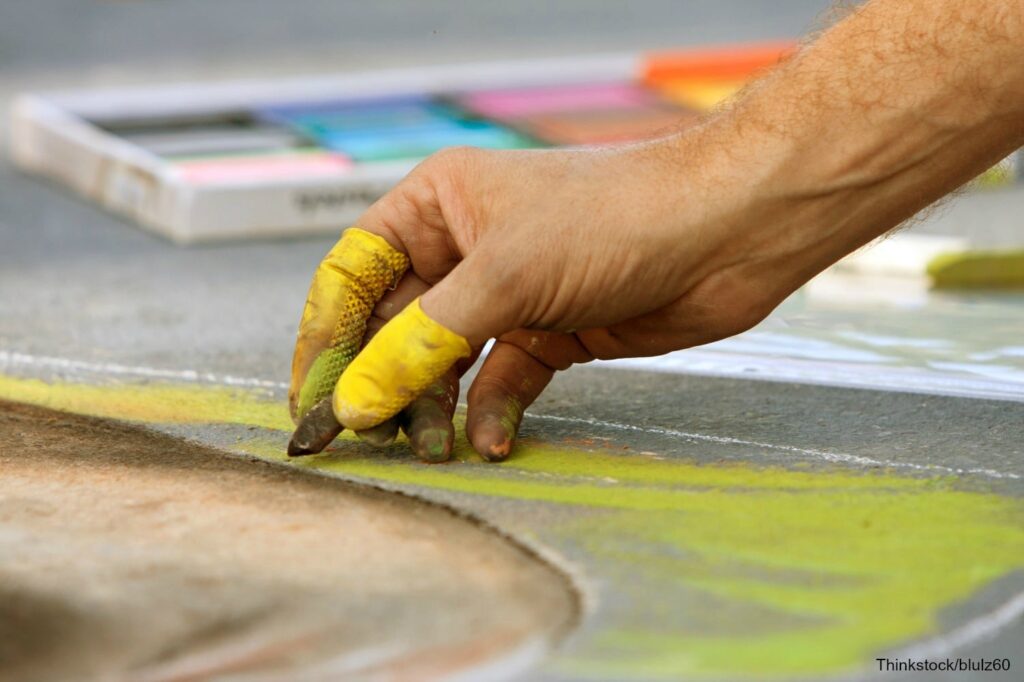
{"type": "Point", "coordinates": [419, 345]}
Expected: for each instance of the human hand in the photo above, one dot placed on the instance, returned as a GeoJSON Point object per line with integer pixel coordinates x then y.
{"type": "Point", "coordinates": [567, 256]}
{"type": "Point", "coordinates": [563, 256]}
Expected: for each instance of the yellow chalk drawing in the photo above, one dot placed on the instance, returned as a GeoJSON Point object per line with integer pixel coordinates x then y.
{"type": "Point", "coordinates": [152, 403]}
{"type": "Point", "coordinates": [346, 286]}
{"type": "Point", "coordinates": [724, 571]}
{"type": "Point", "coordinates": [792, 572]}
{"type": "Point", "coordinates": [408, 354]}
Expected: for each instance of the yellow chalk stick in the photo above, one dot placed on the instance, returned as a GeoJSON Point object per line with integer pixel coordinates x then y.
{"type": "Point", "coordinates": [978, 269]}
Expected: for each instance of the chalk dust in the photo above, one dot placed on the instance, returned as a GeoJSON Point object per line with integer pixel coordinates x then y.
{"type": "Point", "coordinates": [131, 555]}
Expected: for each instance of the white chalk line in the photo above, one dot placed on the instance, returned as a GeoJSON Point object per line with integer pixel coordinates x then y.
{"type": "Point", "coordinates": [186, 375]}
{"type": "Point", "coordinates": [980, 628]}
{"type": "Point", "coordinates": [193, 376]}
{"type": "Point", "coordinates": [983, 627]}
{"type": "Point", "coordinates": [835, 457]}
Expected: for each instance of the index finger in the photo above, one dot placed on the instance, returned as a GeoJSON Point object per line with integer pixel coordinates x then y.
{"type": "Point", "coordinates": [347, 285]}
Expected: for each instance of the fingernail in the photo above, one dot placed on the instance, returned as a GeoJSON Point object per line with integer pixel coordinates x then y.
{"type": "Point", "coordinates": [499, 451]}
{"type": "Point", "coordinates": [432, 445]}
{"type": "Point", "coordinates": [492, 438]}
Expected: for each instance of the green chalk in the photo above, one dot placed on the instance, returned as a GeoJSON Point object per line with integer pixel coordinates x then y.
{"type": "Point", "coordinates": [996, 269]}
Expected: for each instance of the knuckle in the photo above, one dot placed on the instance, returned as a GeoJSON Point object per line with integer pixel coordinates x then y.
{"type": "Point", "coordinates": [430, 192]}
{"type": "Point", "coordinates": [489, 387]}
{"type": "Point", "coordinates": [410, 203]}
{"type": "Point", "coordinates": [453, 158]}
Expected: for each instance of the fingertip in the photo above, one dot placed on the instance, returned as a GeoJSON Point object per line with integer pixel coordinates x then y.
{"type": "Point", "coordinates": [380, 436]}
{"type": "Point", "coordinates": [315, 431]}
{"type": "Point", "coordinates": [351, 278]}
{"type": "Point", "coordinates": [433, 444]}
{"type": "Point", "coordinates": [358, 417]}
{"type": "Point", "coordinates": [493, 436]}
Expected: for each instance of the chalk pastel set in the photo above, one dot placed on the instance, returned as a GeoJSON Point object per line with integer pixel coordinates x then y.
{"type": "Point", "coordinates": [275, 158]}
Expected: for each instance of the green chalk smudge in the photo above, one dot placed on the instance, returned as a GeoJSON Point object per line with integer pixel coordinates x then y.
{"type": "Point", "coordinates": [784, 572]}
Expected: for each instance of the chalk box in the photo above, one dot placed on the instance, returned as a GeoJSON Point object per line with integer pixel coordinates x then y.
{"type": "Point", "coordinates": [250, 159]}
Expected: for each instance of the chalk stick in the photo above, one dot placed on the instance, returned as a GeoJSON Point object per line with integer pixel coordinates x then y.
{"type": "Point", "coordinates": [289, 111]}
{"type": "Point", "coordinates": [727, 63]}
{"type": "Point", "coordinates": [903, 254]}
{"type": "Point", "coordinates": [990, 269]}
{"type": "Point", "coordinates": [946, 262]}
{"type": "Point", "coordinates": [141, 125]}
{"type": "Point", "coordinates": [400, 143]}
{"type": "Point", "coordinates": [701, 94]}
{"type": "Point", "coordinates": [369, 117]}
{"type": "Point", "coordinates": [215, 141]}
{"type": "Point", "coordinates": [263, 167]}
{"type": "Point", "coordinates": [515, 103]}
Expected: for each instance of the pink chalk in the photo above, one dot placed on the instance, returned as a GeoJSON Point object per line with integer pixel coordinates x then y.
{"type": "Point", "coordinates": [263, 167]}
{"type": "Point", "coordinates": [506, 104]}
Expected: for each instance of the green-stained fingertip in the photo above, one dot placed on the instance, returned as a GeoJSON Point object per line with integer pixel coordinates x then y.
{"type": "Point", "coordinates": [433, 444]}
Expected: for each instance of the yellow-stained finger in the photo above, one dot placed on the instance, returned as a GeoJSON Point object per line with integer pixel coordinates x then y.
{"type": "Point", "coordinates": [347, 285]}
{"type": "Point", "coordinates": [390, 304]}
{"type": "Point", "coordinates": [408, 354]}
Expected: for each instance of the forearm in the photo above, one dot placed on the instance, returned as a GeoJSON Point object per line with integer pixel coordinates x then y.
{"type": "Point", "coordinates": [888, 111]}
{"type": "Point", "coordinates": [897, 85]}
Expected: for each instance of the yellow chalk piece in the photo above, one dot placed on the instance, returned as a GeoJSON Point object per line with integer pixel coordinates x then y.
{"type": "Point", "coordinates": [978, 269]}
{"type": "Point", "coordinates": [408, 354]}
{"type": "Point", "coordinates": [346, 286]}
